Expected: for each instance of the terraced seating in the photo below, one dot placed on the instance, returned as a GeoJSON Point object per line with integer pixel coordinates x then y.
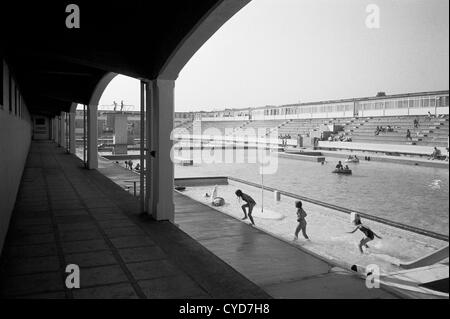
{"type": "Point", "coordinates": [305, 126]}
{"type": "Point", "coordinates": [257, 127]}
{"type": "Point", "coordinates": [181, 126]}
{"type": "Point", "coordinates": [221, 128]}
{"type": "Point", "coordinates": [431, 132]}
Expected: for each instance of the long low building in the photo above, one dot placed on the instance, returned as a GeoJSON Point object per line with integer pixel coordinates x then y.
{"type": "Point", "coordinates": [419, 103]}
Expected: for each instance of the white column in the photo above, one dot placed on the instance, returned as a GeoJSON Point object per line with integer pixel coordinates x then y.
{"type": "Point", "coordinates": [92, 156]}
{"type": "Point", "coordinates": [160, 128]}
{"type": "Point", "coordinates": [72, 141]}
{"type": "Point", "coordinates": [62, 142]}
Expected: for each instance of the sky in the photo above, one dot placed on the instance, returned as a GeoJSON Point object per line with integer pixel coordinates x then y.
{"type": "Point", "coordinates": [276, 52]}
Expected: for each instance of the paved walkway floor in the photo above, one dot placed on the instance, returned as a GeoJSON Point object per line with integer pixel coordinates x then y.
{"type": "Point", "coordinates": [65, 214]}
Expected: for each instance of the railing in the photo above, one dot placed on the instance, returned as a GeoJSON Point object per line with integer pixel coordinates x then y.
{"type": "Point", "coordinates": [348, 211]}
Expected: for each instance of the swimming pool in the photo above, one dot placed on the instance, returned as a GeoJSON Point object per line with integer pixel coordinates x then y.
{"type": "Point", "coordinates": [412, 195]}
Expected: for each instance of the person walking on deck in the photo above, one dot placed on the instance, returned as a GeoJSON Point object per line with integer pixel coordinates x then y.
{"type": "Point", "coordinates": [369, 234]}
{"type": "Point", "coordinates": [249, 203]}
{"type": "Point", "coordinates": [301, 218]}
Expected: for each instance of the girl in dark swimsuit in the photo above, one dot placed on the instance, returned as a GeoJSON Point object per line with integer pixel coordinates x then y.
{"type": "Point", "coordinates": [301, 215]}
{"type": "Point", "coordinates": [370, 235]}
{"type": "Point", "coordinates": [250, 203]}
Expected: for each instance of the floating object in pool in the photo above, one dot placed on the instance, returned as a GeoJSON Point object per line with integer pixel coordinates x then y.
{"type": "Point", "coordinates": [180, 188]}
{"type": "Point", "coordinates": [342, 171]}
{"type": "Point", "coordinates": [214, 192]}
{"type": "Point", "coordinates": [436, 184]}
{"type": "Point", "coordinates": [353, 160]}
{"type": "Point", "coordinates": [218, 201]}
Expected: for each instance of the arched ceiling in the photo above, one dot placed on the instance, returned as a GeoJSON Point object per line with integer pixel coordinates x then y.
{"type": "Point", "coordinates": [55, 66]}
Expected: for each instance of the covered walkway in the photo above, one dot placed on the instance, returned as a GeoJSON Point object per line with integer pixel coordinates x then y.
{"type": "Point", "coordinates": [65, 214]}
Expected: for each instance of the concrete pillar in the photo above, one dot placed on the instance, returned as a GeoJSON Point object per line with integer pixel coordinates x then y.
{"type": "Point", "coordinates": [120, 137]}
{"type": "Point", "coordinates": [57, 130]}
{"type": "Point", "coordinates": [160, 127]}
{"type": "Point", "coordinates": [62, 142]}
{"type": "Point", "coordinates": [52, 129]}
{"type": "Point", "coordinates": [92, 156]}
{"type": "Point", "coordinates": [72, 141]}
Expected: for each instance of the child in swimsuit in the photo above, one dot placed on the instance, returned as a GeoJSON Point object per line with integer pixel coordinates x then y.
{"type": "Point", "coordinates": [301, 215]}
{"type": "Point", "coordinates": [250, 203]}
{"type": "Point", "coordinates": [370, 235]}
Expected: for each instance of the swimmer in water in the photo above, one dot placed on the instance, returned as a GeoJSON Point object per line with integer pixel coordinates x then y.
{"type": "Point", "coordinates": [250, 203]}
{"type": "Point", "coordinates": [370, 235]}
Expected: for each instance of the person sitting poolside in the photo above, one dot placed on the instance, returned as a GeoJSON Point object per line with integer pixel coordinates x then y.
{"type": "Point", "coordinates": [436, 154]}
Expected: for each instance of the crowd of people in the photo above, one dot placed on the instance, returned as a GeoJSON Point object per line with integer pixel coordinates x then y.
{"type": "Point", "coordinates": [284, 138]}
{"type": "Point", "coordinates": [339, 138]}
{"type": "Point", "coordinates": [387, 129]}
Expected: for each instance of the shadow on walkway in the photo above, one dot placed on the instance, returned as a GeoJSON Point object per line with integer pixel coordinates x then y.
{"type": "Point", "coordinates": [65, 214]}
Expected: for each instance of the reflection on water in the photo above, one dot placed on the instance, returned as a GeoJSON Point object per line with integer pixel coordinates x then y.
{"type": "Point", "coordinates": [413, 195]}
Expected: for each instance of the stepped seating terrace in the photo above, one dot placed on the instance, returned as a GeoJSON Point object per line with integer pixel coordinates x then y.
{"type": "Point", "coordinates": [430, 132]}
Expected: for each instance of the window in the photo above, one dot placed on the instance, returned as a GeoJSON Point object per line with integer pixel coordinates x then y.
{"type": "Point", "coordinates": [443, 101]}
{"type": "Point", "coordinates": [425, 102]}
{"type": "Point", "coordinates": [432, 102]}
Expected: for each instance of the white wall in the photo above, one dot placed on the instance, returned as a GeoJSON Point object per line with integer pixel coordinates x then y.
{"type": "Point", "coordinates": [15, 139]}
